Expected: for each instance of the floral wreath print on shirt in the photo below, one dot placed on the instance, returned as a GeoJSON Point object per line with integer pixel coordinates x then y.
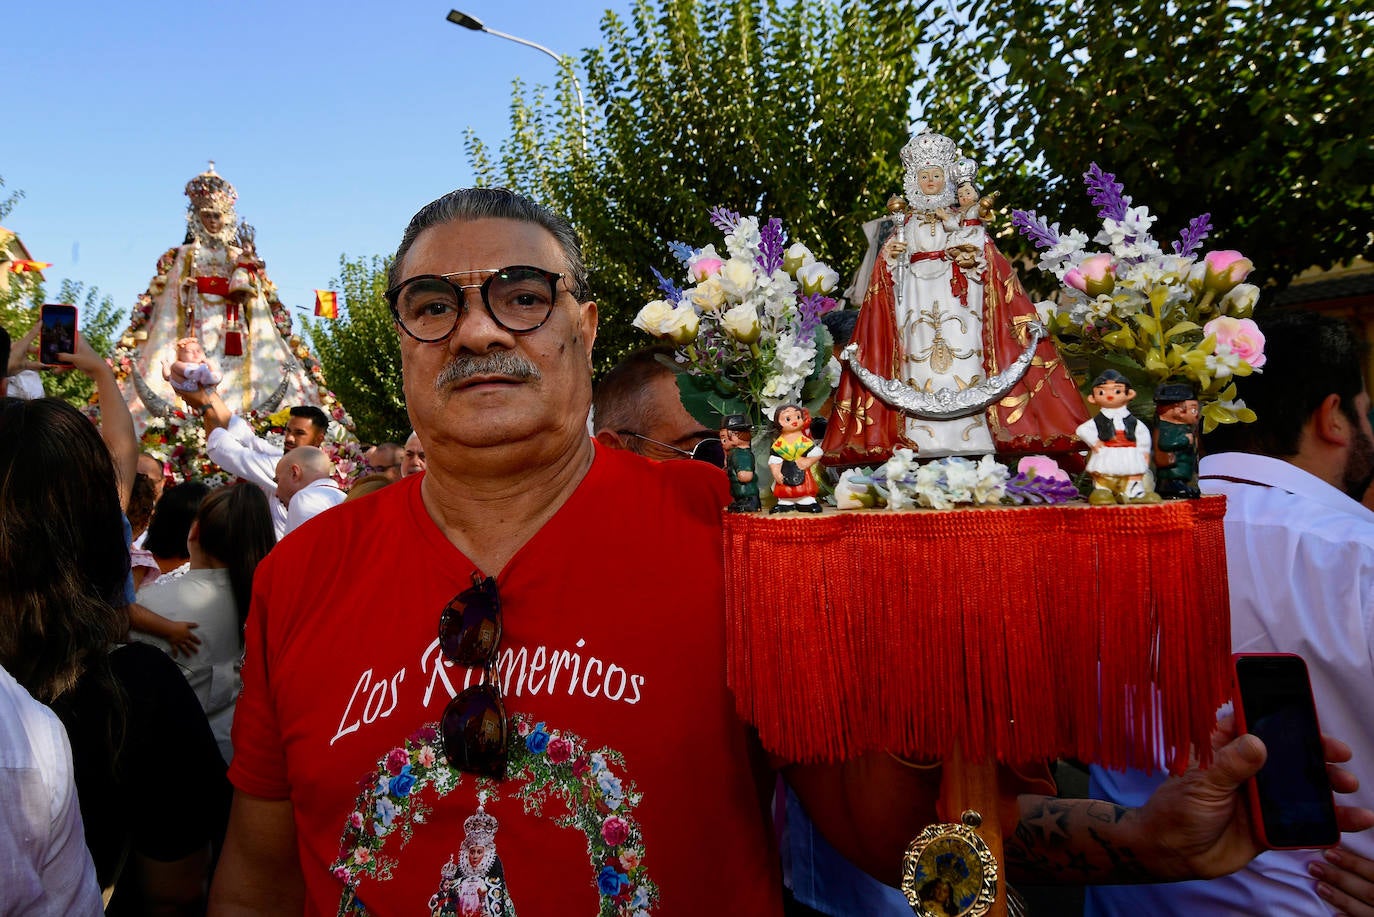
{"type": "Point", "coordinates": [545, 765]}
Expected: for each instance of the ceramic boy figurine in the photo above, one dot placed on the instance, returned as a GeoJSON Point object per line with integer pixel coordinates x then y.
{"type": "Point", "coordinates": [793, 459]}
{"type": "Point", "coordinates": [736, 434]}
{"type": "Point", "coordinates": [1119, 442]}
{"type": "Point", "coordinates": [191, 371]}
{"type": "Point", "coordinates": [1175, 452]}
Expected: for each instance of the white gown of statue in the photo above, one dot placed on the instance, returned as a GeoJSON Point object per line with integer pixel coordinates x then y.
{"type": "Point", "coordinates": [941, 336]}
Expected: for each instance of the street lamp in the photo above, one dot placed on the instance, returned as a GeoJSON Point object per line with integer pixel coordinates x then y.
{"type": "Point", "coordinates": [476, 25]}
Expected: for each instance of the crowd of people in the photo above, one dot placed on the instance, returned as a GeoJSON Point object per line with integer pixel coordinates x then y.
{"type": "Point", "coordinates": [275, 697]}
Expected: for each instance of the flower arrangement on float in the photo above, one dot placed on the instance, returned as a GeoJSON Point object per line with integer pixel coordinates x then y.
{"type": "Point", "coordinates": [1154, 316]}
{"type": "Point", "coordinates": [903, 482]}
{"type": "Point", "coordinates": [747, 328]}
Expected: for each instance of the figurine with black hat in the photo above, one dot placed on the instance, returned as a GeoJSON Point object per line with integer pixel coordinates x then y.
{"type": "Point", "coordinates": [736, 434]}
{"type": "Point", "coordinates": [1175, 449]}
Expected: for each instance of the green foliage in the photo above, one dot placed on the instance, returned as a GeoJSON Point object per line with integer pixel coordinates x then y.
{"type": "Point", "coordinates": [1252, 111]}
{"type": "Point", "coordinates": [790, 110]}
{"type": "Point", "coordinates": [360, 353]}
{"type": "Point", "coordinates": [10, 201]}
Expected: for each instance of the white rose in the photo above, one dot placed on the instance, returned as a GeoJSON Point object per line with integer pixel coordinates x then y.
{"type": "Point", "coordinates": [681, 324]}
{"type": "Point", "coordinates": [742, 323]}
{"type": "Point", "coordinates": [738, 277]}
{"type": "Point", "coordinates": [1240, 302]}
{"type": "Point", "coordinates": [653, 317]}
{"type": "Point", "coordinates": [817, 278]}
{"type": "Point", "coordinates": [707, 295]}
{"type": "Point", "coordinates": [796, 256]}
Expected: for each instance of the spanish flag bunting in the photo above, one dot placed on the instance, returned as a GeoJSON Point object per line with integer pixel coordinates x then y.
{"type": "Point", "coordinates": [327, 303]}
{"type": "Point", "coordinates": [22, 265]}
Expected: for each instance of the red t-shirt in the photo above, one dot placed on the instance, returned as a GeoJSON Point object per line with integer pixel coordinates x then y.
{"type": "Point", "coordinates": [629, 784]}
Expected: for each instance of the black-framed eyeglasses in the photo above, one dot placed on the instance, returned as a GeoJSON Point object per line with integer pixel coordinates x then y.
{"type": "Point", "coordinates": [519, 299]}
{"type": "Point", "coordinates": [707, 450]}
{"type": "Point", "coordinates": [473, 728]}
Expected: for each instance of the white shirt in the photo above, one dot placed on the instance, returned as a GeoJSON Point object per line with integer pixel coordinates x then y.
{"type": "Point", "coordinates": [311, 500]}
{"type": "Point", "coordinates": [205, 597]}
{"type": "Point", "coordinates": [1300, 558]}
{"type": "Point", "coordinates": [45, 868]}
{"type": "Point", "coordinates": [235, 449]}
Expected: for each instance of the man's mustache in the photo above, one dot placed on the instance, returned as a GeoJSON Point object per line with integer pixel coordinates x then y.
{"type": "Point", "coordinates": [497, 363]}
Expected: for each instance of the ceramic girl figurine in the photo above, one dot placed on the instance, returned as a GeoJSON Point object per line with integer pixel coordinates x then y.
{"type": "Point", "coordinates": [191, 371]}
{"type": "Point", "coordinates": [1119, 442]}
{"type": "Point", "coordinates": [793, 459]}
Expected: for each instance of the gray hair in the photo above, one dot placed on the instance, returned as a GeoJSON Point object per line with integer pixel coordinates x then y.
{"type": "Point", "coordinates": [496, 203]}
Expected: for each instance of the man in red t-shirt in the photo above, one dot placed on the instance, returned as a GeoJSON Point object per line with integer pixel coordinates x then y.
{"type": "Point", "coordinates": [554, 616]}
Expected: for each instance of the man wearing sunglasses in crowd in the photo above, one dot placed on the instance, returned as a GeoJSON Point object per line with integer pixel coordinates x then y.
{"type": "Point", "coordinates": [549, 679]}
{"type": "Point", "coordinates": [636, 406]}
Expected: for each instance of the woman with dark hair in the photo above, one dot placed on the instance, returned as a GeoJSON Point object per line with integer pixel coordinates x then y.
{"type": "Point", "coordinates": [128, 712]}
{"type": "Point", "coordinates": [231, 533]}
{"type": "Point", "coordinates": [167, 543]}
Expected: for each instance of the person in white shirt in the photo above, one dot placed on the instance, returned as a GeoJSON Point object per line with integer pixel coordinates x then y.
{"type": "Point", "coordinates": [305, 485]}
{"type": "Point", "coordinates": [230, 444]}
{"type": "Point", "coordinates": [45, 867]}
{"type": "Point", "coordinates": [1300, 567]}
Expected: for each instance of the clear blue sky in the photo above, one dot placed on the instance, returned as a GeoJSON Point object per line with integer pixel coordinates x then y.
{"type": "Point", "coordinates": [334, 121]}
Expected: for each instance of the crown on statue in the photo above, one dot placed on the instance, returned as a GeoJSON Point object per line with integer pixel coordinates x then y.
{"type": "Point", "coordinates": [963, 172]}
{"type": "Point", "coordinates": [929, 149]}
{"type": "Point", "coordinates": [449, 869]}
{"type": "Point", "coordinates": [480, 827]}
{"type": "Point", "coordinates": [209, 189]}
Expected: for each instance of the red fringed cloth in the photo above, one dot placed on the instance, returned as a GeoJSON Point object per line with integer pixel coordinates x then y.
{"type": "Point", "coordinates": [1023, 634]}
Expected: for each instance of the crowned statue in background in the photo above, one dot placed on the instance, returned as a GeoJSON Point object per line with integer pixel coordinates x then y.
{"type": "Point", "coordinates": [947, 357]}
{"type": "Point", "coordinates": [214, 288]}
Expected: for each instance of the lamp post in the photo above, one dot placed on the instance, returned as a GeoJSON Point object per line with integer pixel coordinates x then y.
{"type": "Point", "coordinates": [476, 25]}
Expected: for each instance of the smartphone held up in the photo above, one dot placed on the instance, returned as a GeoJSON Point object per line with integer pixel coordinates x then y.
{"type": "Point", "coordinates": [1291, 803]}
{"type": "Point", "coordinates": [58, 333]}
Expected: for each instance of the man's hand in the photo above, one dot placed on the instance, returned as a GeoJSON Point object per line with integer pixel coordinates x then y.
{"type": "Point", "coordinates": [1200, 825]}
{"type": "Point", "coordinates": [1346, 882]}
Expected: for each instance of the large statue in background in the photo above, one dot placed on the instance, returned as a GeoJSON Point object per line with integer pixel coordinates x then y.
{"type": "Point", "coordinates": [214, 288]}
{"type": "Point", "coordinates": [944, 313]}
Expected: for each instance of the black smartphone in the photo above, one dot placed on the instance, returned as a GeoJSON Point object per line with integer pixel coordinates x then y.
{"type": "Point", "coordinates": [58, 334]}
{"type": "Point", "coordinates": [1290, 798]}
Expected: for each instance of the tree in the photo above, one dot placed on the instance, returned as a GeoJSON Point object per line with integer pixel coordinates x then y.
{"type": "Point", "coordinates": [790, 110]}
{"type": "Point", "coordinates": [360, 353]}
{"type": "Point", "coordinates": [1248, 109]}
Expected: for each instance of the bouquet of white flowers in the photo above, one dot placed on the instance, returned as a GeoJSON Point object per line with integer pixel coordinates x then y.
{"type": "Point", "coordinates": [748, 329]}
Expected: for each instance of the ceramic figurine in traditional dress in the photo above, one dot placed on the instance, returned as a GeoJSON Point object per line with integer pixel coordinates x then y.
{"type": "Point", "coordinates": [793, 460]}
{"type": "Point", "coordinates": [1176, 420]}
{"type": "Point", "coordinates": [214, 288]}
{"type": "Point", "coordinates": [945, 312]}
{"type": "Point", "coordinates": [1120, 444]}
{"type": "Point", "coordinates": [736, 435]}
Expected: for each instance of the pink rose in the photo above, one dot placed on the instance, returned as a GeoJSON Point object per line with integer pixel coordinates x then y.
{"type": "Point", "coordinates": [614, 831]}
{"type": "Point", "coordinates": [1095, 275]}
{"type": "Point", "coordinates": [362, 856]}
{"type": "Point", "coordinates": [559, 750]}
{"type": "Point", "coordinates": [522, 728]}
{"type": "Point", "coordinates": [1225, 269]}
{"type": "Point", "coordinates": [395, 760]}
{"type": "Point", "coordinates": [1240, 336]}
{"type": "Point", "coordinates": [705, 267]}
{"type": "Point", "coordinates": [341, 874]}
{"type": "Point", "coordinates": [356, 819]}
{"type": "Point", "coordinates": [427, 757]}
{"type": "Point", "coordinates": [629, 860]}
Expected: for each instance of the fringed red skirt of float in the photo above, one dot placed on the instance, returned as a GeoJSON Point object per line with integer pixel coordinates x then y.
{"type": "Point", "coordinates": [1020, 634]}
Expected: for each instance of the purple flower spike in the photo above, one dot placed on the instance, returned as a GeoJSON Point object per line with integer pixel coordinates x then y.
{"type": "Point", "coordinates": [771, 242]}
{"type": "Point", "coordinates": [1105, 192]}
{"type": "Point", "coordinates": [1035, 228]}
{"type": "Point", "coordinates": [811, 308]}
{"type": "Point", "coordinates": [670, 289]}
{"type": "Point", "coordinates": [722, 219]}
{"type": "Point", "coordinates": [1190, 240]}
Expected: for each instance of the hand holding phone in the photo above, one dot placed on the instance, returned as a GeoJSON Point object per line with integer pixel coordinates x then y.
{"type": "Point", "coordinates": [1291, 804]}
{"type": "Point", "coordinates": [58, 334]}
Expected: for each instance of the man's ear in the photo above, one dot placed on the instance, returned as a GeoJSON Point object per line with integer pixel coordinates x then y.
{"type": "Point", "coordinates": [194, 533]}
{"type": "Point", "coordinates": [589, 319]}
{"type": "Point", "coordinates": [1329, 423]}
{"type": "Point", "coordinates": [610, 439]}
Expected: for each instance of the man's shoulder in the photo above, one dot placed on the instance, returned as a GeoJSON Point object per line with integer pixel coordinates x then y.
{"type": "Point", "coordinates": [626, 477]}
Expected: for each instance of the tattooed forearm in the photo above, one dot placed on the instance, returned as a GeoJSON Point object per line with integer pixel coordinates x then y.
{"type": "Point", "coordinates": [1073, 841]}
